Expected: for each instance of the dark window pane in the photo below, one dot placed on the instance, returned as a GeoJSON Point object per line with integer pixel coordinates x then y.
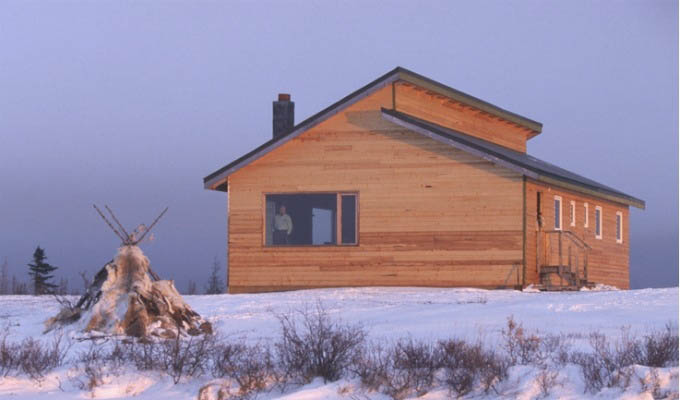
{"type": "Point", "coordinates": [349, 219]}
{"type": "Point", "coordinates": [301, 219]}
{"type": "Point", "coordinates": [558, 215]}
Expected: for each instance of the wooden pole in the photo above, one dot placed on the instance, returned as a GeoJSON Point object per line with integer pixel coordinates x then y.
{"type": "Point", "coordinates": [578, 278]}
{"type": "Point", "coordinates": [569, 260]}
{"type": "Point", "coordinates": [559, 263]}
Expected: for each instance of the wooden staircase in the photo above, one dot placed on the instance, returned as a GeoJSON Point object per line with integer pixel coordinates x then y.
{"type": "Point", "coordinates": [564, 264]}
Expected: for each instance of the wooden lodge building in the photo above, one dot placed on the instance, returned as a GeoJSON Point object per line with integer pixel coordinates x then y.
{"type": "Point", "coordinates": [408, 182]}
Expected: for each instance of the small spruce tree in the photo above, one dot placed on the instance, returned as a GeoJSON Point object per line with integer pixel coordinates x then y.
{"type": "Point", "coordinates": [215, 285]}
{"type": "Point", "coordinates": [39, 271]}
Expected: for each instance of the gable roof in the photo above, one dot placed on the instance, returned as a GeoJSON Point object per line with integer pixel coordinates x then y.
{"type": "Point", "coordinates": [397, 74]}
{"type": "Point", "coordinates": [521, 162]}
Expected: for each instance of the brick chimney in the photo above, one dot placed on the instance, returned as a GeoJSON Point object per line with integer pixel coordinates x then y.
{"type": "Point", "coordinates": [284, 115]}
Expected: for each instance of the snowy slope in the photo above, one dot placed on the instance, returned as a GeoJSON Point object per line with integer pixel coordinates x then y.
{"type": "Point", "coordinates": [386, 313]}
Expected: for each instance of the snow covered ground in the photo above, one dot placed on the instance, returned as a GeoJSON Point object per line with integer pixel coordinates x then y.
{"type": "Point", "coordinates": [387, 314]}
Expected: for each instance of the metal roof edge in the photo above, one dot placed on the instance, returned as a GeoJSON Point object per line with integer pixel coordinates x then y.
{"type": "Point", "coordinates": [459, 144]}
{"type": "Point", "coordinates": [462, 144]}
{"type": "Point", "coordinates": [438, 87]}
{"type": "Point", "coordinates": [365, 91]}
{"type": "Point", "coordinates": [628, 200]}
{"type": "Point", "coordinates": [210, 181]}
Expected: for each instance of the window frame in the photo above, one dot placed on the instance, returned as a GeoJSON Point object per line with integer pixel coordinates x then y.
{"type": "Point", "coordinates": [598, 222]}
{"type": "Point", "coordinates": [619, 227]}
{"type": "Point", "coordinates": [585, 223]}
{"type": "Point", "coordinates": [561, 219]}
{"type": "Point", "coordinates": [338, 221]}
{"type": "Point", "coordinates": [572, 213]}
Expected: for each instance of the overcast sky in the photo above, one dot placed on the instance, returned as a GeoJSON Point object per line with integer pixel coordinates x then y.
{"type": "Point", "coordinates": [131, 104]}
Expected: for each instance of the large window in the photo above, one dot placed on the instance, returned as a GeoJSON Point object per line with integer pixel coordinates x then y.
{"type": "Point", "coordinates": [558, 213]}
{"type": "Point", "coordinates": [311, 219]}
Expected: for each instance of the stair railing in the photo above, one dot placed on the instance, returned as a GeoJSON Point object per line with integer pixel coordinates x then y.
{"type": "Point", "coordinates": [576, 249]}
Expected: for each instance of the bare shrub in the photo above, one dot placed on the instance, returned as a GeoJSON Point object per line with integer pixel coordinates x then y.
{"type": "Point", "coordinates": [661, 348]}
{"type": "Point", "coordinates": [179, 357]}
{"type": "Point", "coordinates": [556, 348]}
{"type": "Point", "coordinates": [38, 358]}
{"type": "Point", "coordinates": [521, 348]}
{"type": "Point", "coordinates": [251, 367]}
{"type": "Point", "coordinates": [412, 370]}
{"type": "Point", "coordinates": [608, 364]}
{"type": "Point", "coordinates": [92, 362]}
{"type": "Point", "coordinates": [547, 379]}
{"type": "Point", "coordinates": [316, 346]}
{"type": "Point", "coordinates": [225, 358]}
{"type": "Point", "coordinates": [9, 360]}
{"type": "Point", "coordinates": [467, 364]}
{"type": "Point", "coordinates": [372, 365]}
{"type": "Point", "coordinates": [31, 357]}
{"type": "Point", "coordinates": [185, 358]}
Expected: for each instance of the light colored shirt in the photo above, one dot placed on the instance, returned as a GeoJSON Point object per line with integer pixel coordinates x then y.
{"type": "Point", "coordinates": [283, 223]}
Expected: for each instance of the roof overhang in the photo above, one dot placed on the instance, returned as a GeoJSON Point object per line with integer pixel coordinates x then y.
{"type": "Point", "coordinates": [499, 156]}
{"type": "Point", "coordinates": [457, 95]}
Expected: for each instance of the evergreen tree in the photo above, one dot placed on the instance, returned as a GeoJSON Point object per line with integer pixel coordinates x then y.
{"type": "Point", "coordinates": [39, 272]}
{"type": "Point", "coordinates": [214, 285]}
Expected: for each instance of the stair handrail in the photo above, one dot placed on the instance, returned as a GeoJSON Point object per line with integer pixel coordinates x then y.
{"type": "Point", "coordinates": [578, 242]}
{"type": "Point", "coordinates": [573, 236]}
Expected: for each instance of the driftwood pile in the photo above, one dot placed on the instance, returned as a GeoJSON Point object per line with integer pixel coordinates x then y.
{"type": "Point", "coordinates": [127, 298]}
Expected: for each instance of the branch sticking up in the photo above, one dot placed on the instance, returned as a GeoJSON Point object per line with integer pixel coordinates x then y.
{"type": "Point", "coordinates": [117, 222]}
{"type": "Point", "coordinates": [152, 225]}
{"type": "Point", "coordinates": [120, 235]}
{"type": "Point", "coordinates": [126, 238]}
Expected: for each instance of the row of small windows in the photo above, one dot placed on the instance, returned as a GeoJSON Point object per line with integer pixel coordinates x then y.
{"type": "Point", "coordinates": [598, 218]}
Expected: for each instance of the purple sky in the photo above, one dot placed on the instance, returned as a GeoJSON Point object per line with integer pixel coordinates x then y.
{"type": "Point", "coordinates": [132, 103]}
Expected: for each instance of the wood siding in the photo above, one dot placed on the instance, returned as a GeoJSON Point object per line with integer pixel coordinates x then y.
{"type": "Point", "coordinates": [443, 111]}
{"type": "Point", "coordinates": [429, 214]}
{"type": "Point", "coordinates": [608, 261]}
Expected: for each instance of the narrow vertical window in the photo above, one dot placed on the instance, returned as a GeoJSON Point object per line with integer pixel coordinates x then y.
{"type": "Point", "coordinates": [349, 218]}
{"type": "Point", "coordinates": [558, 213]}
{"type": "Point", "coordinates": [598, 222]}
{"type": "Point", "coordinates": [619, 227]}
{"type": "Point", "coordinates": [585, 209]}
{"type": "Point", "coordinates": [572, 213]}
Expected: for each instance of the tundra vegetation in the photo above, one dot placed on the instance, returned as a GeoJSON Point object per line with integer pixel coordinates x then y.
{"type": "Point", "coordinates": [312, 344]}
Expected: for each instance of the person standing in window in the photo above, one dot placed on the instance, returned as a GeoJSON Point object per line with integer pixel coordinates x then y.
{"type": "Point", "coordinates": [283, 226]}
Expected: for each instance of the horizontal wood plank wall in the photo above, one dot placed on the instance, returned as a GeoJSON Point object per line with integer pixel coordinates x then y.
{"type": "Point", "coordinates": [430, 215]}
{"type": "Point", "coordinates": [608, 261]}
{"type": "Point", "coordinates": [443, 111]}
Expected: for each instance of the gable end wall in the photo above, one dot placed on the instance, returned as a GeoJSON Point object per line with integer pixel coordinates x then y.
{"type": "Point", "coordinates": [429, 215]}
